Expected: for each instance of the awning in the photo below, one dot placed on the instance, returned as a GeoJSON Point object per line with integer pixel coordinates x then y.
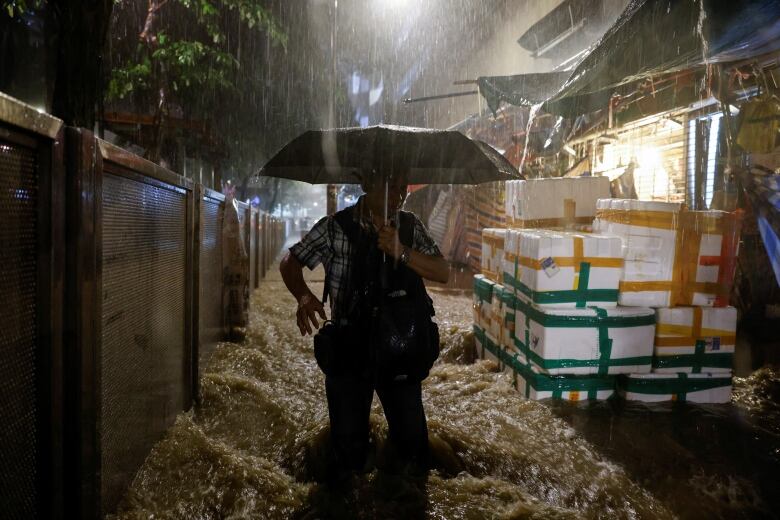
{"type": "Point", "coordinates": [651, 37]}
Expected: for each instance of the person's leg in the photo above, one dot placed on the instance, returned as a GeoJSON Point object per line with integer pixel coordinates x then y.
{"type": "Point", "coordinates": [408, 428]}
{"type": "Point", "coordinates": [349, 406]}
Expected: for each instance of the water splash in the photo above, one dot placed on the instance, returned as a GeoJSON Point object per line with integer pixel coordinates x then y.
{"type": "Point", "coordinates": [258, 446]}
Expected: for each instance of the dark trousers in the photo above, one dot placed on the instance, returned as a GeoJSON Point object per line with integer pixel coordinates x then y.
{"type": "Point", "coordinates": [349, 406]}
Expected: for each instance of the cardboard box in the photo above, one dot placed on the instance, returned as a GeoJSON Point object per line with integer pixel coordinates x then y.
{"type": "Point", "coordinates": [585, 341]}
{"type": "Point", "coordinates": [694, 339]}
{"type": "Point", "coordinates": [696, 388]}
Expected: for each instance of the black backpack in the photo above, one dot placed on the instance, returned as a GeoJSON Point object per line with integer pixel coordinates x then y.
{"type": "Point", "coordinates": [390, 331]}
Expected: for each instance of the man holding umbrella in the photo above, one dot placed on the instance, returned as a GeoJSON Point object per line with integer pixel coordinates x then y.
{"type": "Point", "coordinates": [353, 245]}
{"type": "Point", "coordinates": [380, 336]}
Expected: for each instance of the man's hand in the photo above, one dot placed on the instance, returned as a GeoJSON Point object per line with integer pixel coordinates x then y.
{"type": "Point", "coordinates": [308, 308]}
{"type": "Point", "coordinates": [388, 241]}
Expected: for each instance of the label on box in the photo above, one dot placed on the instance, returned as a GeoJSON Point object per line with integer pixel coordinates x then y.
{"type": "Point", "coordinates": [549, 267]}
{"type": "Point", "coordinates": [712, 344]}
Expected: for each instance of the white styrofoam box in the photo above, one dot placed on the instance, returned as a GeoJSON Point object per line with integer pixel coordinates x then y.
{"type": "Point", "coordinates": [695, 339]}
{"type": "Point", "coordinates": [482, 298]}
{"type": "Point", "coordinates": [510, 267]}
{"type": "Point", "coordinates": [491, 349]}
{"type": "Point", "coordinates": [649, 232]}
{"type": "Point", "coordinates": [492, 261]}
{"type": "Point", "coordinates": [673, 256]}
{"type": "Point", "coordinates": [542, 202]}
{"type": "Point", "coordinates": [696, 388]}
{"type": "Point", "coordinates": [567, 269]}
{"type": "Point", "coordinates": [534, 385]}
{"type": "Point", "coordinates": [585, 341]}
{"type": "Point", "coordinates": [507, 339]}
{"type": "Point", "coordinates": [479, 339]}
{"type": "Point", "coordinates": [709, 268]}
{"type": "Point", "coordinates": [497, 317]}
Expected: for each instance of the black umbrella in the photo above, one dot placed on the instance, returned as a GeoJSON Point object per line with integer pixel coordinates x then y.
{"type": "Point", "coordinates": [346, 155]}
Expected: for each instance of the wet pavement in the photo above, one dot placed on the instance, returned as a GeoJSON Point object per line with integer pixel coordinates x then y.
{"type": "Point", "coordinates": [258, 444]}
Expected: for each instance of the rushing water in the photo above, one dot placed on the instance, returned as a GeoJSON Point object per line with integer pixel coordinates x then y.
{"type": "Point", "coordinates": [258, 444]}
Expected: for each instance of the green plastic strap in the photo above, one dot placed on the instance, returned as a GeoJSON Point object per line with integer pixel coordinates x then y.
{"type": "Point", "coordinates": [605, 342]}
{"type": "Point", "coordinates": [601, 363]}
{"type": "Point", "coordinates": [681, 396]}
{"type": "Point", "coordinates": [698, 355]}
{"type": "Point", "coordinates": [602, 322]}
{"type": "Point", "coordinates": [555, 320]}
{"type": "Point", "coordinates": [674, 384]}
{"type": "Point", "coordinates": [708, 360]}
{"type": "Point", "coordinates": [483, 289]}
{"type": "Point", "coordinates": [572, 296]}
{"type": "Point", "coordinates": [582, 285]}
{"type": "Point", "coordinates": [559, 384]}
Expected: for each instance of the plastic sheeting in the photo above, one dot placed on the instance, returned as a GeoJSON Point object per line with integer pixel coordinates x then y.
{"type": "Point", "coordinates": [651, 37]}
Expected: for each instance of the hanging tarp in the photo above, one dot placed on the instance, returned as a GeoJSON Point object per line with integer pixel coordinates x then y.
{"type": "Point", "coordinates": [521, 89]}
{"type": "Point", "coordinates": [763, 189]}
{"type": "Point", "coordinates": [650, 38]}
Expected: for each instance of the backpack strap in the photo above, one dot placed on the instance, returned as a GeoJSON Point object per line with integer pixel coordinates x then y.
{"type": "Point", "coordinates": [406, 228]}
{"type": "Point", "coordinates": [326, 285]}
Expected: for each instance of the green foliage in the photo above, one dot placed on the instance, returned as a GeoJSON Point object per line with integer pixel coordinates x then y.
{"type": "Point", "coordinates": [19, 7]}
{"type": "Point", "coordinates": [190, 65]}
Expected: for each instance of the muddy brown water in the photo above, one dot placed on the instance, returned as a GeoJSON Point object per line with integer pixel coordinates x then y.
{"type": "Point", "coordinates": [258, 444]}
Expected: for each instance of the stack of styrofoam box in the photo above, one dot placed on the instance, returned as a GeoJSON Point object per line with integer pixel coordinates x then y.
{"type": "Point", "coordinates": [483, 298]}
{"type": "Point", "coordinates": [570, 336]}
{"type": "Point", "coordinates": [554, 203]}
{"type": "Point", "coordinates": [561, 347]}
{"type": "Point", "coordinates": [678, 257]}
{"type": "Point", "coordinates": [492, 260]}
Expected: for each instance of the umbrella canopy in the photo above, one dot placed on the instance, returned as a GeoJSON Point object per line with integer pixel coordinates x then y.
{"type": "Point", "coordinates": [346, 155]}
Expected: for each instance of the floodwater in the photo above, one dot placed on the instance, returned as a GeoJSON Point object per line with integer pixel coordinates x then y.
{"type": "Point", "coordinates": [257, 445]}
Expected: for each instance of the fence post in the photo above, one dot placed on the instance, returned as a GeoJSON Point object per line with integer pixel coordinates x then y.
{"type": "Point", "coordinates": [82, 324]}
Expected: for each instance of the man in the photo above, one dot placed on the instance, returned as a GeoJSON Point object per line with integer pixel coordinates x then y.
{"type": "Point", "coordinates": [351, 391]}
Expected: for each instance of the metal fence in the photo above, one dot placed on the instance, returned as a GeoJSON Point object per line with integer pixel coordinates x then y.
{"type": "Point", "coordinates": [112, 272]}
{"type": "Point", "coordinates": [31, 270]}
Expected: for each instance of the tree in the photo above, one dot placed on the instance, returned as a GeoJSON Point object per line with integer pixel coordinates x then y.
{"type": "Point", "coordinates": [190, 60]}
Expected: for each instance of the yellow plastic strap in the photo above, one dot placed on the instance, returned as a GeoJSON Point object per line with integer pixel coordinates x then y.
{"type": "Point", "coordinates": [493, 275]}
{"type": "Point", "coordinates": [557, 222]}
{"type": "Point", "coordinates": [687, 336]}
{"type": "Point", "coordinates": [564, 261]}
{"type": "Point", "coordinates": [493, 241]}
{"type": "Point", "coordinates": [644, 218]}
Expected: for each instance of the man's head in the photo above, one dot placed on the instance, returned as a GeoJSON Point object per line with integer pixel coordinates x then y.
{"type": "Point", "coordinates": [374, 186]}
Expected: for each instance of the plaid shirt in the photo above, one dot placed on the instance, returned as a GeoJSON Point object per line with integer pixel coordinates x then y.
{"type": "Point", "coordinates": [327, 244]}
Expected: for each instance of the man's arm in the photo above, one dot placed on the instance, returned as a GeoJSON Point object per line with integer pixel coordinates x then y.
{"type": "Point", "coordinates": [430, 267]}
{"type": "Point", "coordinates": [308, 304]}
